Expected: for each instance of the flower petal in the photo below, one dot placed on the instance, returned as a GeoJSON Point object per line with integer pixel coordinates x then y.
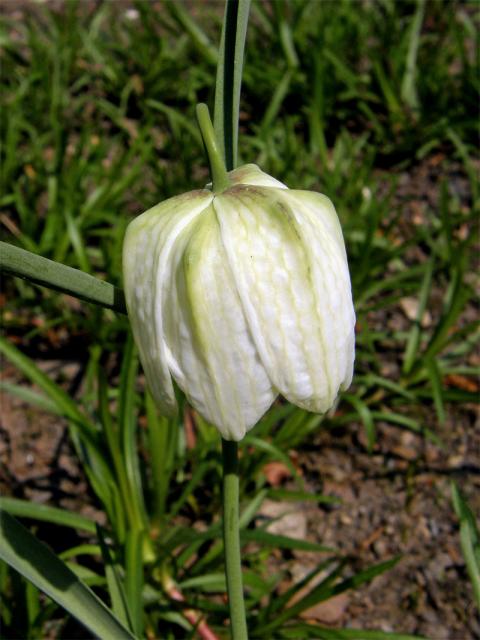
{"type": "Point", "coordinates": [291, 275]}
{"type": "Point", "coordinates": [319, 226]}
{"type": "Point", "coordinates": [147, 246]}
{"type": "Point", "coordinates": [209, 347]}
{"type": "Point", "coordinates": [253, 175]}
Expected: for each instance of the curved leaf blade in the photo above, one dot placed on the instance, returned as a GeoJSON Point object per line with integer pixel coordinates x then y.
{"type": "Point", "coordinates": [32, 559]}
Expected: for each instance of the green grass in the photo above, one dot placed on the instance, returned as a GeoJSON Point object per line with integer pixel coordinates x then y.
{"type": "Point", "coordinates": [341, 97]}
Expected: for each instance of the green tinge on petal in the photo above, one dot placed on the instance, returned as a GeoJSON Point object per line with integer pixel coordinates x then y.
{"type": "Point", "coordinates": [210, 351]}
{"type": "Point", "coordinates": [146, 259]}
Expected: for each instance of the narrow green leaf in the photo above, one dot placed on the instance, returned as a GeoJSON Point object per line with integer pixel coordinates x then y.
{"type": "Point", "coordinates": [251, 509]}
{"type": "Point", "coordinates": [409, 89]}
{"type": "Point", "coordinates": [31, 397]}
{"type": "Point", "coordinates": [163, 434]}
{"type": "Point", "coordinates": [413, 341]}
{"type": "Point", "coordinates": [279, 603]}
{"type": "Point", "coordinates": [276, 452]}
{"type": "Point", "coordinates": [301, 496]}
{"type": "Point", "coordinates": [197, 476]}
{"type": "Point", "coordinates": [470, 167]}
{"type": "Point", "coordinates": [229, 79]}
{"type": "Point", "coordinates": [76, 241]}
{"type": "Point", "coordinates": [113, 441]}
{"type": "Point", "coordinates": [33, 603]}
{"type": "Point", "coordinates": [81, 550]}
{"type": "Point", "coordinates": [57, 276]}
{"type": "Point", "coordinates": [286, 35]}
{"type": "Point", "coordinates": [32, 559]}
{"type": "Point", "coordinates": [115, 585]}
{"type": "Point", "coordinates": [25, 509]}
{"type": "Point", "coordinates": [176, 120]}
{"type": "Point", "coordinates": [127, 420]}
{"type": "Point", "coordinates": [198, 36]}
{"type": "Point", "coordinates": [435, 376]}
{"type": "Point", "coordinates": [326, 590]}
{"type": "Point", "coordinates": [134, 579]}
{"type": "Point", "coordinates": [276, 102]}
{"type": "Point", "coordinates": [281, 542]}
{"type": "Point", "coordinates": [323, 633]}
{"type": "Point", "coordinates": [366, 417]}
{"type": "Point", "coordinates": [469, 540]}
{"type": "Point", "coordinates": [66, 405]}
{"type": "Point", "coordinates": [455, 299]}
{"type": "Point", "coordinates": [83, 433]}
{"type": "Point", "coordinates": [207, 582]}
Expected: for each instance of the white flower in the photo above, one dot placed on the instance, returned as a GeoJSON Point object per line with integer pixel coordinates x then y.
{"type": "Point", "coordinates": [241, 296]}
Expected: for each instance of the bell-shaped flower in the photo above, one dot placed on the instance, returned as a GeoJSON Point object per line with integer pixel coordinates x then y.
{"type": "Point", "coordinates": [241, 296]}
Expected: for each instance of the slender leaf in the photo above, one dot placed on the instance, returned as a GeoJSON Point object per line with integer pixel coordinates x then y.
{"type": "Point", "coordinates": [57, 276]}
{"type": "Point", "coordinates": [116, 588]}
{"type": "Point", "coordinates": [409, 90]}
{"type": "Point", "coordinates": [281, 542]}
{"type": "Point", "coordinates": [134, 579]}
{"type": "Point", "coordinates": [469, 540]}
{"type": "Point", "coordinates": [323, 633]}
{"type": "Point", "coordinates": [229, 78]}
{"type": "Point", "coordinates": [35, 511]}
{"type": "Point", "coordinates": [22, 551]}
{"type": "Point", "coordinates": [127, 420]}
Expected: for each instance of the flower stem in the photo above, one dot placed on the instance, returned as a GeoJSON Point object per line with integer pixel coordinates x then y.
{"type": "Point", "coordinates": [217, 166]}
{"type": "Point", "coordinates": [231, 538]}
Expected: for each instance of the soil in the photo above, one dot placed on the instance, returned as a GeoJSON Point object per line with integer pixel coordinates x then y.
{"type": "Point", "coordinates": [394, 501]}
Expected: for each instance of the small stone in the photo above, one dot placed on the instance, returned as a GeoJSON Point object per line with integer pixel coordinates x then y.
{"type": "Point", "coordinates": [409, 307]}
{"type": "Point", "coordinates": [330, 611]}
{"type": "Point", "coordinates": [455, 461]}
{"type": "Point", "coordinates": [286, 519]}
{"type": "Point", "coordinates": [380, 548]}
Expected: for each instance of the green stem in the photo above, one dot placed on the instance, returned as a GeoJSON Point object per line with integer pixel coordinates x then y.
{"type": "Point", "coordinates": [54, 275]}
{"type": "Point", "coordinates": [217, 167]}
{"type": "Point", "coordinates": [231, 538]}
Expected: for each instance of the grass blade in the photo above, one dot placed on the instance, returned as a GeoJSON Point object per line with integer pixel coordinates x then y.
{"type": "Point", "coordinates": [115, 585]}
{"type": "Point", "coordinates": [229, 78]}
{"type": "Point", "coordinates": [32, 559]}
{"type": "Point", "coordinates": [134, 580]}
{"type": "Point", "coordinates": [25, 509]}
{"type": "Point", "coordinates": [66, 406]}
{"type": "Point", "coordinates": [469, 540]}
{"type": "Point", "coordinates": [413, 342]}
{"type": "Point", "coordinates": [128, 423]}
{"type": "Point", "coordinates": [281, 542]}
{"type": "Point", "coordinates": [323, 633]}
{"type": "Point", "coordinates": [30, 397]}
{"type": "Point", "coordinates": [57, 276]}
{"type": "Point", "coordinates": [163, 435]}
{"type": "Point", "coordinates": [198, 36]}
{"type": "Point", "coordinates": [366, 417]}
{"type": "Point", "coordinates": [325, 590]}
{"type": "Point", "coordinates": [409, 90]}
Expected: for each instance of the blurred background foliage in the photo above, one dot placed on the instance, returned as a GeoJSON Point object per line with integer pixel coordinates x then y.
{"type": "Point", "coordinates": [374, 103]}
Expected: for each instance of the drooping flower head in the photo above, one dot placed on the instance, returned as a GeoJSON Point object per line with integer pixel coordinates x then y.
{"type": "Point", "coordinates": [241, 296]}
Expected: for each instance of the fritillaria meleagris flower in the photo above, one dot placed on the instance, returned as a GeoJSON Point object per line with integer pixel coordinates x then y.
{"type": "Point", "coordinates": [241, 296]}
